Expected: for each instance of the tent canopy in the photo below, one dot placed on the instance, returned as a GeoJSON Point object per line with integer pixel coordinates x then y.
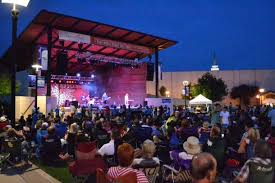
{"type": "Point", "coordinates": [200, 99]}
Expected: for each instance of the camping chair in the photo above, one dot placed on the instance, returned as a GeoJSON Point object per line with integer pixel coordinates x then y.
{"type": "Point", "coordinates": [101, 177]}
{"type": "Point", "coordinates": [13, 147]}
{"type": "Point", "coordinates": [169, 174]}
{"type": "Point", "coordinates": [150, 172]}
{"type": "Point", "coordinates": [86, 162]}
{"type": "Point", "coordinates": [4, 161]}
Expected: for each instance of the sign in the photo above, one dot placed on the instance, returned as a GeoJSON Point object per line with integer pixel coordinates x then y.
{"type": "Point", "coordinates": [120, 45]}
{"type": "Point", "coordinates": [166, 101]}
{"type": "Point", "coordinates": [41, 82]}
{"type": "Point", "coordinates": [75, 37]}
{"type": "Point", "coordinates": [43, 58]}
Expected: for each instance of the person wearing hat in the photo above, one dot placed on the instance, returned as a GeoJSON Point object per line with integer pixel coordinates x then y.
{"type": "Point", "coordinates": [191, 146]}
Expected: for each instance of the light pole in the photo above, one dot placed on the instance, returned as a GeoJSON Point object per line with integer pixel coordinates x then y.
{"type": "Point", "coordinates": [37, 67]}
{"type": "Point", "coordinates": [13, 68]}
{"type": "Point", "coordinates": [185, 84]}
{"type": "Point", "coordinates": [261, 90]}
{"type": "Point", "coordinates": [167, 93]}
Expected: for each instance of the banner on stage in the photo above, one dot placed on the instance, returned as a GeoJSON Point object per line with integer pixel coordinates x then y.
{"type": "Point", "coordinates": [120, 45]}
{"type": "Point", "coordinates": [75, 37]}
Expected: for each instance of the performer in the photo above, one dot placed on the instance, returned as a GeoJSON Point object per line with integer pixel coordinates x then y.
{"type": "Point", "coordinates": [105, 98]}
{"type": "Point", "coordinates": [126, 99]}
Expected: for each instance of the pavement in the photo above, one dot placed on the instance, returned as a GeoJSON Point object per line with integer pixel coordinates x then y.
{"type": "Point", "coordinates": [30, 174]}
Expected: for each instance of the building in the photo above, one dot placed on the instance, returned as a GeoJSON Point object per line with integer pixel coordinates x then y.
{"type": "Point", "coordinates": [173, 81]}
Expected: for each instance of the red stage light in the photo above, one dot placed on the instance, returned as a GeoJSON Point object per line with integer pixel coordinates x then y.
{"type": "Point", "coordinates": [59, 81]}
{"type": "Point", "coordinates": [52, 81]}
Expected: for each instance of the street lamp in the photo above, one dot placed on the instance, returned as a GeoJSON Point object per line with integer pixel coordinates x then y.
{"type": "Point", "coordinates": [185, 84]}
{"type": "Point", "coordinates": [261, 90]}
{"type": "Point", "coordinates": [167, 93]}
{"type": "Point", "coordinates": [37, 67]}
{"type": "Point", "coordinates": [13, 68]}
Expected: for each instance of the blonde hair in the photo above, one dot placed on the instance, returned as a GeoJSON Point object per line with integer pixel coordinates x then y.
{"type": "Point", "coordinates": [253, 134]}
{"type": "Point", "coordinates": [73, 128]}
{"type": "Point", "coordinates": [148, 148]}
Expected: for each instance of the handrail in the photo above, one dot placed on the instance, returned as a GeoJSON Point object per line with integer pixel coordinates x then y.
{"type": "Point", "coordinates": [28, 108]}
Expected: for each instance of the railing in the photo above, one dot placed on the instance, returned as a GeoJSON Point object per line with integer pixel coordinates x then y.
{"type": "Point", "coordinates": [28, 108]}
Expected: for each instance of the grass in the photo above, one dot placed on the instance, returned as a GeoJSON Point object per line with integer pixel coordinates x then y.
{"type": "Point", "coordinates": [60, 173]}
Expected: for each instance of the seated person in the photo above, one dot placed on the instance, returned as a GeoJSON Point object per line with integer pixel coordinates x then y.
{"type": "Point", "coordinates": [147, 159]}
{"type": "Point", "coordinates": [259, 168]}
{"type": "Point", "coordinates": [100, 134]}
{"type": "Point", "coordinates": [203, 168]}
{"type": "Point", "coordinates": [216, 146]}
{"type": "Point", "coordinates": [51, 146]}
{"type": "Point", "coordinates": [204, 133]}
{"type": "Point", "coordinates": [125, 155]}
{"type": "Point", "coordinates": [41, 133]}
{"type": "Point", "coordinates": [110, 148]}
{"type": "Point", "coordinates": [271, 142]}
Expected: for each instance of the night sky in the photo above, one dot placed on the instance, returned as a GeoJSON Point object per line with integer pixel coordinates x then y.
{"type": "Point", "coordinates": [240, 32]}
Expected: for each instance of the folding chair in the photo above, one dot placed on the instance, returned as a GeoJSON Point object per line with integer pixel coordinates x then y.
{"type": "Point", "coordinates": [170, 174]}
{"type": "Point", "coordinates": [150, 172]}
{"type": "Point", "coordinates": [13, 147]}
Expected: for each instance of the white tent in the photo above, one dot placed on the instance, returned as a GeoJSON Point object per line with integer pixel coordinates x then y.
{"type": "Point", "coordinates": [200, 99]}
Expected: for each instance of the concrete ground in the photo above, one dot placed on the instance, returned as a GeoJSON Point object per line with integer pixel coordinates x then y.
{"type": "Point", "coordinates": [31, 174]}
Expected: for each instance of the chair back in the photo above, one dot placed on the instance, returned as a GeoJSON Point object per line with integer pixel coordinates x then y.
{"type": "Point", "coordinates": [85, 151]}
{"type": "Point", "coordinates": [101, 177]}
{"type": "Point", "coordinates": [151, 173]}
{"type": "Point", "coordinates": [13, 147]}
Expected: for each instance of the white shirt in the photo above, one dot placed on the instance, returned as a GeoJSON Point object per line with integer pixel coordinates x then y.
{"type": "Point", "coordinates": [225, 117]}
{"type": "Point", "coordinates": [107, 149]}
{"type": "Point", "coordinates": [138, 160]}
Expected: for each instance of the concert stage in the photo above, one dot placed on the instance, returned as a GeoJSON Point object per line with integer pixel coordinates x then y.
{"type": "Point", "coordinates": [120, 60]}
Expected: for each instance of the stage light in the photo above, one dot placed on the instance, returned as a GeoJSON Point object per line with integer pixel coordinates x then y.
{"type": "Point", "coordinates": [17, 2]}
{"type": "Point", "coordinates": [78, 75]}
{"type": "Point", "coordinates": [52, 81]}
{"type": "Point", "coordinates": [92, 76]}
{"type": "Point", "coordinates": [59, 81]}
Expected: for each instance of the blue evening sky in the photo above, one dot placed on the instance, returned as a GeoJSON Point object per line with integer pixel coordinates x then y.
{"type": "Point", "coordinates": [241, 32]}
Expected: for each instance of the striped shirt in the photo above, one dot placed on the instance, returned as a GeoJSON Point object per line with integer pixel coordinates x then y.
{"type": "Point", "coordinates": [115, 172]}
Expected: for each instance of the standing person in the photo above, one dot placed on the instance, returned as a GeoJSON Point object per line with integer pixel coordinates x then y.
{"type": "Point", "coordinates": [271, 115]}
{"type": "Point", "coordinates": [224, 114]}
{"type": "Point", "coordinates": [215, 115]}
{"type": "Point", "coordinates": [203, 168]}
{"type": "Point", "coordinates": [126, 99]}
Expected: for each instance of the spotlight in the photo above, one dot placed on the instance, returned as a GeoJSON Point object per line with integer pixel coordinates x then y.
{"type": "Point", "coordinates": [92, 76]}
{"type": "Point", "coordinates": [78, 75]}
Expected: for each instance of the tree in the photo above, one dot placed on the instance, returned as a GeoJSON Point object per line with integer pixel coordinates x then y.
{"type": "Point", "coordinates": [5, 85]}
{"type": "Point", "coordinates": [162, 91]}
{"type": "Point", "coordinates": [244, 93]}
{"type": "Point", "coordinates": [211, 87]}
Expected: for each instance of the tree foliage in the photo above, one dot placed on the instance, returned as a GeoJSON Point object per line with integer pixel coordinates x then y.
{"type": "Point", "coordinates": [211, 87]}
{"type": "Point", "coordinates": [244, 93]}
{"type": "Point", "coordinates": [5, 85]}
{"type": "Point", "coordinates": [162, 91]}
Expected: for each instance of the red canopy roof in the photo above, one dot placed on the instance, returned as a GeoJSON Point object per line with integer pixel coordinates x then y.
{"type": "Point", "coordinates": [36, 34]}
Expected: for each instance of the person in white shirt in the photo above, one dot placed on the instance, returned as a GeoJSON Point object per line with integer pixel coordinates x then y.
{"type": "Point", "coordinates": [224, 114]}
{"type": "Point", "coordinates": [109, 148]}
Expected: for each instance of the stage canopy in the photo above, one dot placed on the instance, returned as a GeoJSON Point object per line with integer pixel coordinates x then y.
{"type": "Point", "coordinates": [77, 35]}
{"type": "Point", "coordinates": [200, 100]}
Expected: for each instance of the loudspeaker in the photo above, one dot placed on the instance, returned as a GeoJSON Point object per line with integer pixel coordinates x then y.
{"type": "Point", "coordinates": [62, 63]}
{"type": "Point", "coordinates": [150, 72]}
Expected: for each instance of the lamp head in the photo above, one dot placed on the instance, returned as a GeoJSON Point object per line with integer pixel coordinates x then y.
{"type": "Point", "coordinates": [17, 2]}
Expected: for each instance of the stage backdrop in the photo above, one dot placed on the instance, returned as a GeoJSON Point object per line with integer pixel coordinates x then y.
{"type": "Point", "coordinates": [115, 81]}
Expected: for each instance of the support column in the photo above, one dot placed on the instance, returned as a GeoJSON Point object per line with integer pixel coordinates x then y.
{"type": "Point", "coordinates": [157, 71]}
{"type": "Point", "coordinates": [13, 67]}
{"type": "Point", "coordinates": [48, 76]}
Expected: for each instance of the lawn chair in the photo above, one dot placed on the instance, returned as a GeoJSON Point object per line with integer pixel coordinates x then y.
{"type": "Point", "coordinates": [13, 147]}
{"type": "Point", "coordinates": [150, 172]}
{"type": "Point", "coordinates": [101, 177]}
{"type": "Point", "coordinates": [86, 162]}
{"type": "Point", "coordinates": [4, 161]}
{"type": "Point", "coordinates": [169, 174]}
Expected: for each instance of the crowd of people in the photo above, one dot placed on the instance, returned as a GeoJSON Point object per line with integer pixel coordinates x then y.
{"type": "Point", "coordinates": [229, 143]}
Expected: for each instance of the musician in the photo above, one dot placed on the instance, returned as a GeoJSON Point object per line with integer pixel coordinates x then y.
{"type": "Point", "coordinates": [126, 99]}
{"type": "Point", "coordinates": [105, 98]}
